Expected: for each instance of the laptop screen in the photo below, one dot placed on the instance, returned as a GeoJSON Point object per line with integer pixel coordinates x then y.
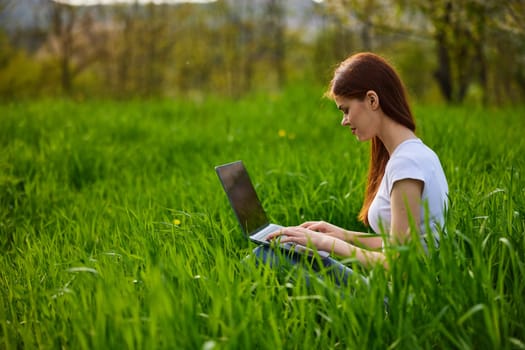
{"type": "Point", "coordinates": [242, 196]}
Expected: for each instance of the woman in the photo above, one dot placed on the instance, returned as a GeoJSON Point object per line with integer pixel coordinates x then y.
{"type": "Point", "coordinates": [405, 180]}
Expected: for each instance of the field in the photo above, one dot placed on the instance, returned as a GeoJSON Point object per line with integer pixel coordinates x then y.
{"type": "Point", "coordinates": [115, 232]}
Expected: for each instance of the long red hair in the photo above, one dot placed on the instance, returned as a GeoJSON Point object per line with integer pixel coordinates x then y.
{"type": "Point", "coordinates": [353, 78]}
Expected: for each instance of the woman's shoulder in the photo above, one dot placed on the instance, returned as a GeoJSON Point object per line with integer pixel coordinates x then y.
{"type": "Point", "coordinates": [413, 149]}
{"type": "Point", "coordinates": [415, 154]}
{"type": "Point", "coordinates": [414, 160]}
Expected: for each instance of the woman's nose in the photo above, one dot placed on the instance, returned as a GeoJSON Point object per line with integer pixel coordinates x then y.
{"type": "Point", "coordinates": [345, 121]}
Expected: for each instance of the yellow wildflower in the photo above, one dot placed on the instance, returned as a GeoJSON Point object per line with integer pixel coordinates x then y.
{"type": "Point", "coordinates": [176, 222]}
{"type": "Point", "coordinates": [282, 133]}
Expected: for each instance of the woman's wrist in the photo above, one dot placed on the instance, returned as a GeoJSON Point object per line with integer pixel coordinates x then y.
{"type": "Point", "coordinates": [342, 235]}
{"type": "Point", "coordinates": [348, 236]}
{"type": "Point", "coordinates": [329, 244]}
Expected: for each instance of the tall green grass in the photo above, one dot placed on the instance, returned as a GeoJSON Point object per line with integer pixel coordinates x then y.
{"type": "Point", "coordinates": [115, 232]}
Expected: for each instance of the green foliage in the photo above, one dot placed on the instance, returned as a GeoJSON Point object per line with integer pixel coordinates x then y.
{"type": "Point", "coordinates": [115, 231]}
{"type": "Point", "coordinates": [19, 73]}
{"type": "Point", "coordinates": [413, 64]}
{"type": "Point", "coordinates": [447, 50]}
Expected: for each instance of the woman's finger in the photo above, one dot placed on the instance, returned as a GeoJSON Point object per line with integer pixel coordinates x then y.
{"type": "Point", "coordinates": [274, 235]}
{"type": "Point", "coordinates": [284, 231]}
{"type": "Point", "coordinates": [308, 224]}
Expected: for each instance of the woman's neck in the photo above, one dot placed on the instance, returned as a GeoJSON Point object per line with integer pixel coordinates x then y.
{"type": "Point", "coordinates": [392, 134]}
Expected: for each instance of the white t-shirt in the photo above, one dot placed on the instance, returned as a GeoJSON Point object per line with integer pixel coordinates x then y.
{"type": "Point", "coordinates": [412, 159]}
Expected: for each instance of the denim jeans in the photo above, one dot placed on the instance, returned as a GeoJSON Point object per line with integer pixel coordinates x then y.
{"type": "Point", "coordinates": [331, 268]}
{"type": "Point", "coordinates": [321, 266]}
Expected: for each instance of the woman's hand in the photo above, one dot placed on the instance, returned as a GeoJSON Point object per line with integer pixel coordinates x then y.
{"type": "Point", "coordinates": [359, 239]}
{"type": "Point", "coordinates": [324, 242]}
{"type": "Point", "coordinates": [326, 228]}
{"type": "Point", "coordinates": [303, 236]}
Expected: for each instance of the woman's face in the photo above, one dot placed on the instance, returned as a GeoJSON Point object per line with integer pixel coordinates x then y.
{"type": "Point", "coordinates": [359, 116]}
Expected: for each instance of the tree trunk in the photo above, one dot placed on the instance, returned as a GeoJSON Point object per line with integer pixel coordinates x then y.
{"type": "Point", "coordinates": [442, 73]}
{"type": "Point", "coordinates": [63, 22]}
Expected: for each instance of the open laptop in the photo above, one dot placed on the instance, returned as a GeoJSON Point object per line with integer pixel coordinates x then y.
{"type": "Point", "coordinates": [248, 209]}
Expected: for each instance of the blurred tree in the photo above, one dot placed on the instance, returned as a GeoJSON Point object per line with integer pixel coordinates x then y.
{"type": "Point", "coordinates": [246, 47]}
{"type": "Point", "coordinates": [506, 54]}
{"type": "Point", "coordinates": [139, 47]}
{"type": "Point", "coordinates": [354, 15]}
{"type": "Point", "coordinates": [194, 49]}
{"type": "Point", "coordinates": [254, 39]}
{"type": "Point", "coordinates": [460, 37]}
{"type": "Point", "coordinates": [273, 28]}
{"type": "Point", "coordinates": [18, 72]}
{"type": "Point", "coordinates": [122, 60]}
{"type": "Point", "coordinates": [25, 27]}
{"type": "Point", "coordinates": [464, 34]}
{"type": "Point", "coordinates": [334, 41]}
{"type": "Point", "coordinates": [230, 47]}
{"type": "Point", "coordinates": [157, 44]}
{"type": "Point", "coordinates": [63, 20]}
{"type": "Point", "coordinates": [77, 41]}
{"type": "Point", "coordinates": [239, 52]}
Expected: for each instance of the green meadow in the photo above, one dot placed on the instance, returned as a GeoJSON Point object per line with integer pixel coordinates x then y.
{"type": "Point", "coordinates": [116, 234]}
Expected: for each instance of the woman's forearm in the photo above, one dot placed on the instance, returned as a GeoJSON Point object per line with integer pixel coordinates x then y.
{"type": "Point", "coordinates": [361, 239]}
{"type": "Point", "coordinates": [366, 257]}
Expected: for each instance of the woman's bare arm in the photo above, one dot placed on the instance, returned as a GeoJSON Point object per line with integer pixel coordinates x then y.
{"type": "Point", "coordinates": [405, 201]}
{"type": "Point", "coordinates": [360, 239]}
